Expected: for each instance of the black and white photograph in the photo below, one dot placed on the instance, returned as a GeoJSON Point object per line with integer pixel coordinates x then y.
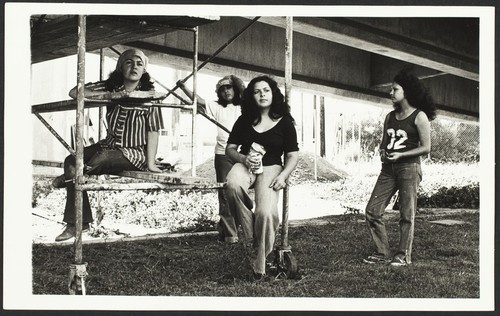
{"type": "Point", "coordinates": [163, 157]}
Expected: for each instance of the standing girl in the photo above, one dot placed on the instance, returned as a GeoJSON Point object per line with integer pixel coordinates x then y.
{"type": "Point", "coordinates": [225, 111]}
{"type": "Point", "coordinates": [406, 138]}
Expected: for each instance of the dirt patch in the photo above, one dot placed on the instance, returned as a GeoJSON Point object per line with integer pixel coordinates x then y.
{"type": "Point", "coordinates": [304, 172]}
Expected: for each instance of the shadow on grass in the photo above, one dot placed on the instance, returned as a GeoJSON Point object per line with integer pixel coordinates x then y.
{"type": "Point", "coordinates": [445, 264]}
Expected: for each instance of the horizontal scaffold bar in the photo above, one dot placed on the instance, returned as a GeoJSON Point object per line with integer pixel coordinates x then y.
{"type": "Point", "coordinates": [138, 181]}
{"type": "Point", "coordinates": [164, 178]}
{"type": "Point", "coordinates": [148, 186]}
{"type": "Point", "coordinates": [46, 163]}
{"type": "Point", "coordinates": [68, 105]}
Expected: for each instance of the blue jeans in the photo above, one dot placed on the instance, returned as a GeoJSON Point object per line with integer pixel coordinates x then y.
{"type": "Point", "coordinates": [260, 226]}
{"type": "Point", "coordinates": [97, 160]}
{"type": "Point", "coordinates": [227, 222]}
{"type": "Point", "coordinates": [406, 178]}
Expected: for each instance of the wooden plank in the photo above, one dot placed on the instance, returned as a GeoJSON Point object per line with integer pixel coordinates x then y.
{"type": "Point", "coordinates": [68, 105]}
{"type": "Point", "coordinates": [164, 178]}
{"type": "Point", "coordinates": [148, 186]}
{"type": "Point", "coordinates": [55, 164]}
{"type": "Point", "coordinates": [57, 37]}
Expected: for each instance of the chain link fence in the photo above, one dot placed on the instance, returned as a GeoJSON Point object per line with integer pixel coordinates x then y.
{"type": "Point", "coordinates": [345, 133]}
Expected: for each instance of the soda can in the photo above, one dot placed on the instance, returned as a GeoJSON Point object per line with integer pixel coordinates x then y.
{"type": "Point", "coordinates": [257, 151]}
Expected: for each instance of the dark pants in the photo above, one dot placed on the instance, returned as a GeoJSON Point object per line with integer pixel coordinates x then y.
{"type": "Point", "coordinates": [227, 222]}
{"type": "Point", "coordinates": [406, 178]}
{"type": "Point", "coordinates": [97, 160]}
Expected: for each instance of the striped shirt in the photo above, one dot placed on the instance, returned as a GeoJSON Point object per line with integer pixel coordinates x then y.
{"type": "Point", "coordinates": [128, 129]}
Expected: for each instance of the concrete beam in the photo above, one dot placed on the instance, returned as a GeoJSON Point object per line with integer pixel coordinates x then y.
{"type": "Point", "coordinates": [164, 55]}
{"type": "Point", "coordinates": [377, 42]}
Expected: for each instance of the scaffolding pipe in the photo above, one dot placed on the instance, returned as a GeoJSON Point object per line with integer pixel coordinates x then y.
{"type": "Point", "coordinates": [156, 81]}
{"type": "Point", "coordinates": [101, 110]}
{"type": "Point", "coordinates": [53, 131]}
{"type": "Point", "coordinates": [55, 164]}
{"type": "Point", "coordinates": [99, 212]}
{"type": "Point", "coordinates": [224, 128]}
{"type": "Point", "coordinates": [226, 44]}
{"type": "Point", "coordinates": [79, 136]}
{"type": "Point", "coordinates": [148, 186]}
{"type": "Point", "coordinates": [195, 100]}
{"type": "Point", "coordinates": [171, 91]}
{"type": "Point", "coordinates": [315, 136]}
{"type": "Point", "coordinates": [288, 91]}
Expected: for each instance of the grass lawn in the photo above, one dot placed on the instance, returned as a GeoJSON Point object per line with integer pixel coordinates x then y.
{"type": "Point", "coordinates": [445, 264]}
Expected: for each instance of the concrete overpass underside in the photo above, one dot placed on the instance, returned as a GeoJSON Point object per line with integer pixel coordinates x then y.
{"type": "Point", "coordinates": [354, 58]}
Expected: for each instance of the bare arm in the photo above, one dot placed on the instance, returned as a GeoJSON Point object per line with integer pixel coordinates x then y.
{"type": "Point", "coordinates": [92, 89]}
{"type": "Point", "coordinates": [424, 132]}
{"type": "Point", "coordinates": [291, 160]}
{"type": "Point", "coordinates": [151, 149]}
{"type": "Point", "coordinates": [383, 143]}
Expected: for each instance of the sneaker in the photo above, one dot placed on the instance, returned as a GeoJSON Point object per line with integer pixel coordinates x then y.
{"type": "Point", "coordinates": [70, 232]}
{"type": "Point", "coordinates": [399, 261]}
{"type": "Point", "coordinates": [376, 258]}
{"type": "Point", "coordinates": [230, 240]}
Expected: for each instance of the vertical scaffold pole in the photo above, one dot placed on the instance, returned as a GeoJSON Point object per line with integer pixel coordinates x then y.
{"type": "Point", "coordinates": [315, 136]}
{"type": "Point", "coordinates": [101, 109]}
{"type": "Point", "coordinates": [78, 271]}
{"type": "Point", "coordinates": [288, 91]}
{"type": "Point", "coordinates": [99, 212]}
{"type": "Point", "coordinates": [195, 102]}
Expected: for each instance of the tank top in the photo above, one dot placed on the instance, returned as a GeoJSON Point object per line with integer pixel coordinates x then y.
{"type": "Point", "coordinates": [402, 135]}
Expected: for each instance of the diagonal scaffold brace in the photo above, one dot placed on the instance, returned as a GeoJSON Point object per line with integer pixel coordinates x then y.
{"type": "Point", "coordinates": [209, 59]}
{"type": "Point", "coordinates": [220, 49]}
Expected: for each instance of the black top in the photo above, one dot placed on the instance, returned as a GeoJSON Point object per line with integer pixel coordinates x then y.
{"type": "Point", "coordinates": [402, 135]}
{"type": "Point", "coordinates": [282, 138]}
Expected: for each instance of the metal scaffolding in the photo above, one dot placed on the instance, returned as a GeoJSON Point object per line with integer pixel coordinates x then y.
{"type": "Point", "coordinates": [157, 181]}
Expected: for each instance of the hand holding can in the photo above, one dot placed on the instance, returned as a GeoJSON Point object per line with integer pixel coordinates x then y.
{"type": "Point", "coordinates": [257, 151]}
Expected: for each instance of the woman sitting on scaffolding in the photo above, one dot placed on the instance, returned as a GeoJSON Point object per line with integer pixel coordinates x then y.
{"type": "Point", "coordinates": [266, 132]}
{"type": "Point", "coordinates": [132, 137]}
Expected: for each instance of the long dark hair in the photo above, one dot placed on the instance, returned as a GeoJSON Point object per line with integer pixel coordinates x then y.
{"type": "Point", "coordinates": [416, 93]}
{"type": "Point", "coordinates": [115, 81]}
{"type": "Point", "coordinates": [249, 108]}
{"type": "Point", "coordinates": [238, 88]}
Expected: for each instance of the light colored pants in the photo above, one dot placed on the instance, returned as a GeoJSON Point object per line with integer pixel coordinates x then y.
{"type": "Point", "coordinates": [406, 178]}
{"type": "Point", "coordinates": [260, 226]}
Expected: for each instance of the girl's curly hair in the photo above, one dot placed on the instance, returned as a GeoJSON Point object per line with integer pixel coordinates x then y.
{"type": "Point", "coordinates": [250, 110]}
{"type": "Point", "coordinates": [115, 82]}
{"type": "Point", "coordinates": [416, 93]}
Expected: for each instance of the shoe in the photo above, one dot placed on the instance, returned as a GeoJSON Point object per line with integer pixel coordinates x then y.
{"type": "Point", "coordinates": [220, 235]}
{"type": "Point", "coordinates": [70, 232]}
{"type": "Point", "coordinates": [259, 277]}
{"type": "Point", "coordinates": [59, 182]}
{"type": "Point", "coordinates": [376, 259]}
{"type": "Point", "coordinates": [220, 238]}
{"type": "Point", "coordinates": [399, 261]}
{"type": "Point", "coordinates": [230, 240]}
